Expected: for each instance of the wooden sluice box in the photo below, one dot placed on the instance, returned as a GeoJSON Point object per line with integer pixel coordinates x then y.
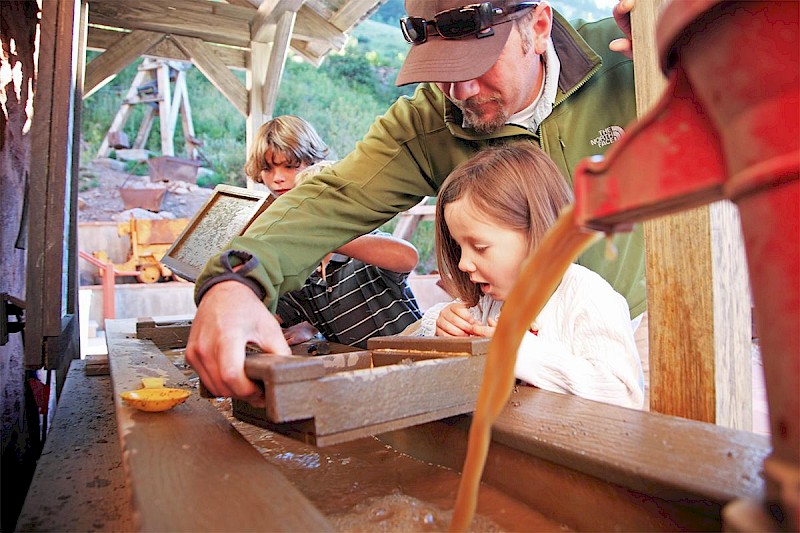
{"type": "Point", "coordinates": [335, 398]}
{"type": "Point", "coordinates": [556, 462]}
{"type": "Point", "coordinates": [344, 394]}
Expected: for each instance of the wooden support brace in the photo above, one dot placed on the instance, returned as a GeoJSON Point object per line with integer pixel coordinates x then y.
{"type": "Point", "coordinates": [122, 53]}
{"type": "Point", "coordinates": [215, 70]}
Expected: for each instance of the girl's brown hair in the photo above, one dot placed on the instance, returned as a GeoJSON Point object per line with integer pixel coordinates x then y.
{"type": "Point", "coordinates": [288, 136]}
{"type": "Point", "coordinates": [515, 185]}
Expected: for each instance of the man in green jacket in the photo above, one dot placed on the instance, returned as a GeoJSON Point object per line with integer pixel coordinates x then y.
{"type": "Point", "coordinates": [508, 70]}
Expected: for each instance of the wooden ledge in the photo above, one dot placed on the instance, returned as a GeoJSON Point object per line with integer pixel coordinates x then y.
{"type": "Point", "coordinates": [188, 468]}
{"type": "Point", "coordinates": [79, 484]}
{"type": "Point", "coordinates": [599, 467]}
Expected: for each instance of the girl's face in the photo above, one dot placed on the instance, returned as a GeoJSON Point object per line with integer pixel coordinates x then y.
{"type": "Point", "coordinates": [492, 255]}
{"type": "Point", "coordinates": [280, 177]}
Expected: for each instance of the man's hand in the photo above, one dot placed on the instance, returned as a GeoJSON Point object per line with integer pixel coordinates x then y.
{"type": "Point", "coordinates": [455, 320]}
{"type": "Point", "coordinates": [622, 14]}
{"type": "Point", "coordinates": [229, 316]}
{"type": "Point", "coordinates": [298, 333]}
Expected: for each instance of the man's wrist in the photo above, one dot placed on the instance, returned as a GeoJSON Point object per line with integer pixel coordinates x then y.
{"type": "Point", "coordinates": [244, 263]}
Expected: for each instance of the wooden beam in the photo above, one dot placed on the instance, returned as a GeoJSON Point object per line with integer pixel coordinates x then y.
{"type": "Point", "coordinates": [144, 128]}
{"type": "Point", "coordinates": [50, 331]}
{"type": "Point", "coordinates": [122, 53]}
{"type": "Point", "coordinates": [269, 12]}
{"type": "Point", "coordinates": [352, 12]}
{"type": "Point", "coordinates": [80, 27]}
{"type": "Point", "coordinates": [213, 22]}
{"type": "Point", "coordinates": [216, 72]}
{"type": "Point", "coordinates": [277, 61]}
{"type": "Point", "coordinates": [244, 3]}
{"type": "Point", "coordinates": [186, 122]}
{"type": "Point", "coordinates": [311, 26]}
{"type": "Point", "coordinates": [697, 288]}
{"type": "Point", "coordinates": [256, 81]}
{"type": "Point", "coordinates": [167, 127]}
{"type": "Point", "coordinates": [103, 38]}
{"type": "Point", "coordinates": [190, 458]}
{"type": "Point", "coordinates": [263, 20]}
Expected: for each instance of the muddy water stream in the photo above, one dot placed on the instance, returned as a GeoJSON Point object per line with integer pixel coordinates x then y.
{"type": "Point", "coordinates": [559, 247]}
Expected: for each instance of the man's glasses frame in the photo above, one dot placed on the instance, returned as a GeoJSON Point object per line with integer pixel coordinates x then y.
{"type": "Point", "coordinates": [472, 19]}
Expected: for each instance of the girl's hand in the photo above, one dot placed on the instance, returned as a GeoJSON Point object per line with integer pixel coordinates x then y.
{"type": "Point", "coordinates": [485, 331]}
{"type": "Point", "coordinates": [455, 320]}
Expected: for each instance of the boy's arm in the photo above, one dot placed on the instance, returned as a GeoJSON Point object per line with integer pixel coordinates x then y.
{"type": "Point", "coordinates": [383, 251]}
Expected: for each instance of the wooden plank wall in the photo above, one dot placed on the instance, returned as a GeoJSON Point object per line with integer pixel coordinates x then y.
{"type": "Point", "coordinates": [698, 293]}
{"type": "Point", "coordinates": [52, 230]}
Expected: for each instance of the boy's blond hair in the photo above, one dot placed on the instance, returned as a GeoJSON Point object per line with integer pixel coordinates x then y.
{"type": "Point", "coordinates": [289, 136]}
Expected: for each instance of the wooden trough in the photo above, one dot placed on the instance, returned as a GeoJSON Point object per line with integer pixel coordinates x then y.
{"type": "Point", "coordinates": [573, 463]}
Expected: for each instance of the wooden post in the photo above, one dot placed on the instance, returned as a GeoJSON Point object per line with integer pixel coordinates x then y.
{"type": "Point", "coordinates": [256, 80]}
{"type": "Point", "coordinates": [697, 287]}
{"type": "Point", "coordinates": [144, 128]}
{"type": "Point", "coordinates": [164, 106]}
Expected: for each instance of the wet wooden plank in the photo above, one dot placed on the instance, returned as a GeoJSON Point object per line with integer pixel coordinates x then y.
{"type": "Point", "coordinates": [80, 484]}
{"type": "Point", "coordinates": [640, 450]}
{"type": "Point", "coordinates": [188, 468]}
{"type": "Point", "coordinates": [434, 345]}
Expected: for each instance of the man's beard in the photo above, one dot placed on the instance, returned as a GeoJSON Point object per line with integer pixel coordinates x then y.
{"type": "Point", "coordinates": [481, 122]}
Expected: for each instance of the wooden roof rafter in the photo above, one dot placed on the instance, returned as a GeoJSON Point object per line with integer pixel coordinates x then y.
{"type": "Point", "coordinates": [215, 35]}
{"type": "Point", "coordinates": [314, 34]}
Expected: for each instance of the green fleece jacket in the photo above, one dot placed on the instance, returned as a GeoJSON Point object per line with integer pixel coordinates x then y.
{"type": "Point", "coordinates": [410, 150]}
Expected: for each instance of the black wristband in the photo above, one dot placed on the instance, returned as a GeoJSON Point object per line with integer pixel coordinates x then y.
{"type": "Point", "coordinates": [248, 262]}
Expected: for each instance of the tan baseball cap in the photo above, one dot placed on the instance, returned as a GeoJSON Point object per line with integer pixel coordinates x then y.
{"type": "Point", "coordinates": [462, 59]}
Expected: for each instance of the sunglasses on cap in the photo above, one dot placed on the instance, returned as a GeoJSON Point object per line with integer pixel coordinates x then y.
{"type": "Point", "coordinates": [473, 19]}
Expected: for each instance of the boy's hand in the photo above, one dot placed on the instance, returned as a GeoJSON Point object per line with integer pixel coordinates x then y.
{"type": "Point", "coordinates": [622, 14]}
{"type": "Point", "coordinates": [298, 333]}
{"type": "Point", "coordinates": [455, 320]}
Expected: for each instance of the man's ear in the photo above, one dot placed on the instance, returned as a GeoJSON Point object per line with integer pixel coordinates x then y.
{"type": "Point", "coordinates": [542, 24]}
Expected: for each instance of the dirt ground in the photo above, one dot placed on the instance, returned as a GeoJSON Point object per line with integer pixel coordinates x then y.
{"type": "Point", "coordinates": [101, 199]}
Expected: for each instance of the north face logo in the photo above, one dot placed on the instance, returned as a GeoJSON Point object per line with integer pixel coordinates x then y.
{"type": "Point", "coordinates": [607, 136]}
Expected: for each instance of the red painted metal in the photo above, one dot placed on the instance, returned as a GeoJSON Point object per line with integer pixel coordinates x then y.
{"type": "Point", "coordinates": [109, 274]}
{"type": "Point", "coordinates": [727, 127]}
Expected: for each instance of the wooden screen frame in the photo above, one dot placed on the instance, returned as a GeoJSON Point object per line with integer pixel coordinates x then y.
{"type": "Point", "coordinates": [260, 201]}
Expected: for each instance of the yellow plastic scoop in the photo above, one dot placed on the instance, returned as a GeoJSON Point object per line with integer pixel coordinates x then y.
{"type": "Point", "coordinates": [155, 399]}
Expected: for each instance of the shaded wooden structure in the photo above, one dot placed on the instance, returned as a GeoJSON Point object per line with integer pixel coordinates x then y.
{"type": "Point", "coordinates": [216, 37]}
{"type": "Point", "coordinates": [699, 371]}
{"type": "Point", "coordinates": [249, 35]}
{"type": "Point", "coordinates": [160, 86]}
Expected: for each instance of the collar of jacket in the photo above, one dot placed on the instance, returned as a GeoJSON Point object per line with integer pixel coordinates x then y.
{"type": "Point", "coordinates": [578, 63]}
